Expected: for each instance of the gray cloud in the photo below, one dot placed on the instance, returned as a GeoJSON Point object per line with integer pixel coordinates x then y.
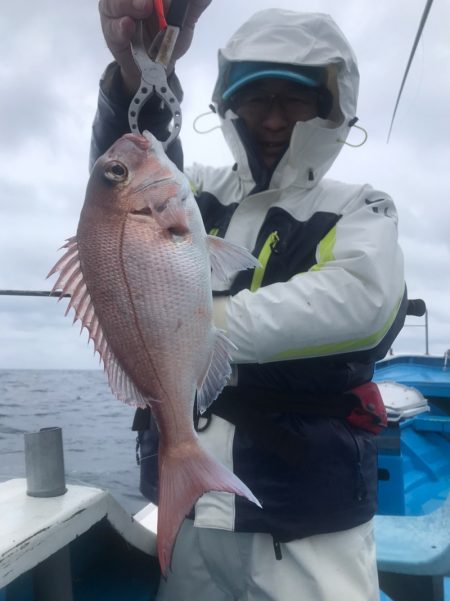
{"type": "Point", "coordinates": [52, 60]}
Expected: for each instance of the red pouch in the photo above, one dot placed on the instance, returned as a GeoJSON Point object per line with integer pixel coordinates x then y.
{"type": "Point", "coordinates": [370, 415]}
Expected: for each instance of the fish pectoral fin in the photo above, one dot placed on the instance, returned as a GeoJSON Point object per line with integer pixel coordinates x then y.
{"type": "Point", "coordinates": [217, 373]}
{"type": "Point", "coordinates": [227, 258]}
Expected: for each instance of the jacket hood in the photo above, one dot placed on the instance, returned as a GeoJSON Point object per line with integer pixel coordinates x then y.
{"type": "Point", "coordinates": [301, 39]}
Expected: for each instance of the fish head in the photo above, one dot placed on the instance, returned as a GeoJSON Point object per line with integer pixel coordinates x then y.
{"type": "Point", "coordinates": [135, 176]}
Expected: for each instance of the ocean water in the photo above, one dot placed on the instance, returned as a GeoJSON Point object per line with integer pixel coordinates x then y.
{"type": "Point", "coordinates": [99, 446]}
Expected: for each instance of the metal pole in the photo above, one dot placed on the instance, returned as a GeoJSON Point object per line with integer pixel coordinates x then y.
{"type": "Point", "coordinates": [44, 463]}
{"type": "Point", "coordinates": [44, 467]}
{"type": "Point", "coordinates": [426, 333]}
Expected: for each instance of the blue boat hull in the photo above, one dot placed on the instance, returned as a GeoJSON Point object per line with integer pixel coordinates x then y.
{"type": "Point", "coordinates": [414, 476]}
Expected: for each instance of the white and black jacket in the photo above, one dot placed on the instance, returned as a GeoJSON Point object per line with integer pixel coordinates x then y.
{"type": "Point", "coordinates": [309, 324]}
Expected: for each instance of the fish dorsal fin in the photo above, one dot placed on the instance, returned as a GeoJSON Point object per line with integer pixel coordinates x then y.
{"type": "Point", "coordinates": [217, 373]}
{"type": "Point", "coordinates": [71, 281]}
{"type": "Point", "coordinates": [227, 258]}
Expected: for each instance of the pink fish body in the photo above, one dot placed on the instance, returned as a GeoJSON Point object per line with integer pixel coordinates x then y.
{"type": "Point", "coordinates": [139, 275]}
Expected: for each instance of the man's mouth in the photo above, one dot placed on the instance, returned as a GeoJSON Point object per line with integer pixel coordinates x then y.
{"type": "Point", "coordinates": [271, 151]}
{"type": "Point", "coordinates": [273, 145]}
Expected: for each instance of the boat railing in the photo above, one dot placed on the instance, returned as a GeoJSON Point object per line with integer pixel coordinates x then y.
{"type": "Point", "coordinates": [418, 308]}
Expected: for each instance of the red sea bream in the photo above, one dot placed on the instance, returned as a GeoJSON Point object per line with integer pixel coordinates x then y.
{"type": "Point", "coordinates": [139, 275]}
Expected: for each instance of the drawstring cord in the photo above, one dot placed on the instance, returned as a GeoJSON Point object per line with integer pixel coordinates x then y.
{"type": "Point", "coordinates": [352, 123]}
{"type": "Point", "coordinates": [212, 111]}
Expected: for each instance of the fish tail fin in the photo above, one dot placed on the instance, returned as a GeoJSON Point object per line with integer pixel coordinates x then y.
{"type": "Point", "coordinates": [184, 477]}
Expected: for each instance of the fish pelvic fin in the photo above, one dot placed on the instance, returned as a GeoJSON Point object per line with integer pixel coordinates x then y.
{"type": "Point", "coordinates": [217, 373]}
{"type": "Point", "coordinates": [71, 281]}
{"type": "Point", "coordinates": [227, 258]}
{"type": "Point", "coordinates": [185, 473]}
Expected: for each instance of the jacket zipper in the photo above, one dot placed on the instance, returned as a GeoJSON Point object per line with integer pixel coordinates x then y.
{"type": "Point", "coordinates": [361, 490]}
{"type": "Point", "coordinates": [263, 258]}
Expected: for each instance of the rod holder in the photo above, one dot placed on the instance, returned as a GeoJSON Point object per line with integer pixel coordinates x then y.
{"type": "Point", "coordinates": [44, 463]}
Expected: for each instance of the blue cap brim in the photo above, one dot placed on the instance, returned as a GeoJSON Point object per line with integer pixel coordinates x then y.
{"type": "Point", "coordinates": [265, 73]}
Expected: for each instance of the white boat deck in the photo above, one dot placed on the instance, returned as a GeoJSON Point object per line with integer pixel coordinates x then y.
{"type": "Point", "coordinates": [32, 529]}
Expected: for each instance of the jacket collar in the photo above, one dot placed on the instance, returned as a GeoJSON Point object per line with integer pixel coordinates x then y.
{"type": "Point", "coordinates": [313, 148]}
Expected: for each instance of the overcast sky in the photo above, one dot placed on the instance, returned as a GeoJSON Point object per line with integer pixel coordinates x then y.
{"type": "Point", "coordinates": [52, 56]}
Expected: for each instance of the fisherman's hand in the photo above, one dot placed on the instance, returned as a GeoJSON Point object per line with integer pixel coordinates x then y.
{"type": "Point", "coordinates": [118, 20]}
{"type": "Point", "coordinates": [220, 304]}
{"type": "Point", "coordinates": [194, 11]}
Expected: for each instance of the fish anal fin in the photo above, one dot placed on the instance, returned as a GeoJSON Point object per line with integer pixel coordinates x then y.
{"type": "Point", "coordinates": [121, 385]}
{"type": "Point", "coordinates": [184, 477]}
{"type": "Point", "coordinates": [217, 372]}
{"type": "Point", "coordinates": [227, 257]}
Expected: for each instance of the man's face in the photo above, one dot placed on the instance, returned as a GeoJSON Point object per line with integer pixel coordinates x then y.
{"type": "Point", "coordinates": [270, 109]}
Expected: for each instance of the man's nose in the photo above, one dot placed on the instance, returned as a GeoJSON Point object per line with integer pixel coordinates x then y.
{"type": "Point", "coordinates": [275, 116]}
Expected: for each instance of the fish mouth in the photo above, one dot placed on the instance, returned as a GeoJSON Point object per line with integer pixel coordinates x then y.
{"type": "Point", "coordinates": [146, 212]}
{"type": "Point", "coordinates": [177, 231]}
{"type": "Point", "coordinates": [171, 220]}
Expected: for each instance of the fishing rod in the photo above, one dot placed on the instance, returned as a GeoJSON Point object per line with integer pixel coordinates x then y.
{"type": "Point", "coordinates": [416, 307]}
{"type": "Point", "coordinates": [411, 56]}
{"type": "Point", "coordinates": [33, 293]}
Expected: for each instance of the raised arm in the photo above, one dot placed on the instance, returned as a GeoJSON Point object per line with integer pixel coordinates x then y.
{"type": "Point", "coordinates": [121, 78]}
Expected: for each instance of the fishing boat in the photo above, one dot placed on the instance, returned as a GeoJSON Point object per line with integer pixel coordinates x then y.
{"type": "Point", "coordinates": [413, 522]}
{"type": "Point", "coordinates": [80, 544]}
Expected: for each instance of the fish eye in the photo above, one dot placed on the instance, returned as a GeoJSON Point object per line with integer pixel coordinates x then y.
{"type": "Point", "coordinates": [115, 172]}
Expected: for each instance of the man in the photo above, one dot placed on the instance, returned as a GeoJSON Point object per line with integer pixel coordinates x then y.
{"type": "Point", "coordinates": [298, 422]}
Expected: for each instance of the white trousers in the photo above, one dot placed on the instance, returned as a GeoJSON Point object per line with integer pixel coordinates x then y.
{"type": "Point", "coordinates": [217, 565]}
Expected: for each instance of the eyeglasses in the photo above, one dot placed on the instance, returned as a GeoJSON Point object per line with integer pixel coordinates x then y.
{"type": "Point", "coordinates": [296, 104]}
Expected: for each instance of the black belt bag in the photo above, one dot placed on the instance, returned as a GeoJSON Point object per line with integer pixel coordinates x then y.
{"type": "Point", "coordinates": [255, 411]}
